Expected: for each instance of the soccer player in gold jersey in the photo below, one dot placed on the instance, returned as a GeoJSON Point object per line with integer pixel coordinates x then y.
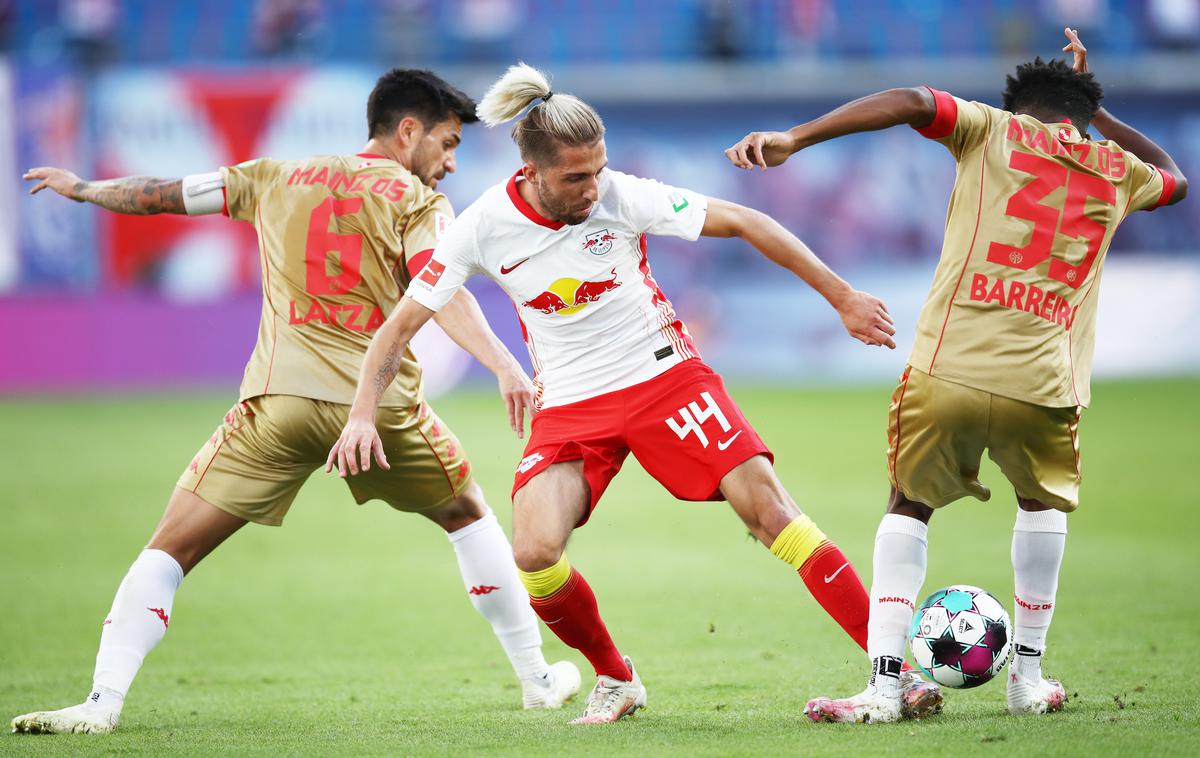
{"type": "Point", "coordinates": [339, 237]}
{"type": "Point", "coordinates": [1003, 352]}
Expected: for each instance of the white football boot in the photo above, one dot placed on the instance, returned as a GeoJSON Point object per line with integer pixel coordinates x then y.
{"type": "Point", "coordinates": [919, 698]}
{"type": "Point", "coordinates": [613, 699]}
{"type": "Point", "coordinates": [560, 684]}
{"type": "Point", "coordinates": [871, 706]}
{"type": "Point", "coordinates": [85, 718]}
{"type": "Point", "coordinates": [1034, 696]}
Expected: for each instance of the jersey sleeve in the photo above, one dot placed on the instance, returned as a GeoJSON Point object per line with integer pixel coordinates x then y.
{"type": "Point", "coordinates": [453, 261]}
{"type": "Point", "coordinates": [660, 209]}
{"type": "Point", "coordinates": [959, 124]}
{"type": "Point", "coordinates": [1149, 186]}
{"type": "Point", "coordinates": [422, 231]}
{"type": "Point", "coordinates": [243, 184]}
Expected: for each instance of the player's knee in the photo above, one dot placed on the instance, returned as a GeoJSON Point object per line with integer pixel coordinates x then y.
{"type": "Point", "coordinates": [460, 512]}
{"type": "Point", "coordinates": [898, 503]}
{"type": "Point", "coordinates": [535, 555]}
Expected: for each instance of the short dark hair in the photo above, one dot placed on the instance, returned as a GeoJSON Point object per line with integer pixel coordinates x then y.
{"type": "Point", "coordinates": [1055, 88]}
{"type": "Point", "coordinates": [418, 93]}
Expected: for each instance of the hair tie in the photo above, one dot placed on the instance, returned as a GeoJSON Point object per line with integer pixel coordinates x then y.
{"type": "Point", "coordinates": [549, 95]}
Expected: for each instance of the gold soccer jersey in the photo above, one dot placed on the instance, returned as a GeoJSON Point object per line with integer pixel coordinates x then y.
{"type": "Point", "coordinates": [1012, 309]}
{"type": "Point", "coordinates": [338, 237]}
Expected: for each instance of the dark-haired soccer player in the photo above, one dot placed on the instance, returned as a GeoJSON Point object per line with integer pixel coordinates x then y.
{"type": "Point", "coordinates": [1003, 353]}
{"type": "Point", "coordinates": [340, 236]}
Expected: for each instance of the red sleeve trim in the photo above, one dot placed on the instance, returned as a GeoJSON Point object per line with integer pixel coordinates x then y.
{"type": "Point", "coordinates": [417, 262]}
{"type": "Point", "coordinates": [224, 203]}
{"type": "Point", "coordinates": [1168, 188]}
{"type": "Point", "coordinates": [944, 117]}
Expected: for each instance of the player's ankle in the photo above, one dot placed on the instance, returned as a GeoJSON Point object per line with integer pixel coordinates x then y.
{"type": "Point", "coordinates": [1027, 662]}
{"type": "Point", "coordinates": [885, 676]}
{"type": "Point", "coordinates": [105, 698]}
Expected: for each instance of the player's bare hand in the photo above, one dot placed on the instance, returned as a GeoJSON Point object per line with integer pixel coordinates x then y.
{"type": "Point", "coordinates": [1075, 47]}
{"type": "Point", "coordinates": [867, 319]}
{"type": "Point", "coordinates": [58, 179]}
{"type": "Point", "coordinates": [353, 450]}
{"type": "Point", "coordinates": [762, 149]}
{"type": "Point", "coordinates": [517, 391]}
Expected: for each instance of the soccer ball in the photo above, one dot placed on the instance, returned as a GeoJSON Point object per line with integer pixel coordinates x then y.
{"type": "Point", "coordinates": [960, 636]}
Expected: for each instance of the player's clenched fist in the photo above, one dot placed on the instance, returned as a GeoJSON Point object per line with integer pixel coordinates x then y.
{"type": "Point", "coordinates": [359, 440]}
{"type": "Point", "coordinates": [867, 319]}
{"type": "Point", "coordinates": [762, 149]}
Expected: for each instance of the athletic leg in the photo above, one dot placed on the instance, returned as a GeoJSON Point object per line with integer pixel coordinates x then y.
{"type": "Point", "coordinates": [189, 530]}
{"type": "Point", "coordinates": [898, 573]}
{"type": "Point", "coordinates": [545, 512]}
{"type": "Point", "coordinates": [485, 560]}
{"type": "Point", "coordinates": [1039, 540]}
{"type": "Point", "coordinates": [760, 500]}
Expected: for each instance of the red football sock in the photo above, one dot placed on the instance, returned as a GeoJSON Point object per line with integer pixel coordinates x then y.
{"type": "Point", "coordinates": [571, 613]}
{"type": "Point", "coordinates": [835, 584]}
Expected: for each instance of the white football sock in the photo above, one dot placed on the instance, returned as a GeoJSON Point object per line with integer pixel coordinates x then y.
{"type": "Point", "coordinates": [136, 623]}
{"type": "Point", "coordinates": [898, 572]}
{"type": "Point", "coordinates": [1039, 539]}
{"type": "Point", "coordinates": [485, 560]}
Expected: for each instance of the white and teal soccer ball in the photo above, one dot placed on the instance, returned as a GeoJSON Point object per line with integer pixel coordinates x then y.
{"type": "Point", "coordinates": [961, 636]}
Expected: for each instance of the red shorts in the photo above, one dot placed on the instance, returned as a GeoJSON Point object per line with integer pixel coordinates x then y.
{"type": "Point", "coordinates": [682, 426]}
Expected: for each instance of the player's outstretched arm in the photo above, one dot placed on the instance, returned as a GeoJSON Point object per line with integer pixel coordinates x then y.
{"type": "Point", "coordinates": [360, 439]}
{"type": "Point", "coordinates": [1123, 134]}
{"type": "Point", "coordinates": [463, 320]}
{"type": "Point", "coordinates": [910, 105]}
{"type": "Point", "coordinates": [141, 195]}
{"type": "Point", "coordinates": [865, 316]}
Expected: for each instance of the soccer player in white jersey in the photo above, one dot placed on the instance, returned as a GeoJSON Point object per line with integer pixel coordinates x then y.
{"type": "Point", "coordinates": [616, 370]}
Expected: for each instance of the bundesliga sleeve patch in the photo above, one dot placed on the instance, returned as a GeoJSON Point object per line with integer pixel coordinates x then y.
{"type": "Point", "coordinates": [432, 273]}
{"type": "Point", "coordinates": [678, 201]}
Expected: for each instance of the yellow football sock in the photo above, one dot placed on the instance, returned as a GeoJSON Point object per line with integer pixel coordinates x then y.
{"type": "Point", "coordinates": [547, 581]}
{"type": "Point", "coordinates": [798, 541]}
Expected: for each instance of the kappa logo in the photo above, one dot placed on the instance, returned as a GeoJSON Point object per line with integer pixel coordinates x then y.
{"type": "Point", "coordinates": [529, 462]}
{"type": "Point", "coordinates": [483, 589]}
{"type": "Point", "coordinates": [599, 243]}
{"type": "Point", "coordinates": [162, 616]}
{"type": "Point", "coordinates": [441, 222]}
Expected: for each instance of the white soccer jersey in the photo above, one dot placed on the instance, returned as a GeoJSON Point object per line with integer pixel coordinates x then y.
{"type": "Point", "coordinates": [592, 315]}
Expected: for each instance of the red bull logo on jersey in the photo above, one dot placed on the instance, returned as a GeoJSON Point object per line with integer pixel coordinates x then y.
{"type": "Point", "coordinates": [599, 243]}
{"type": "Point", "coordinates": [566, 296]}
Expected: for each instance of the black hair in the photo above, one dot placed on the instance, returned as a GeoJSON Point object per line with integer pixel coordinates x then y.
{"type": "Point", "coordinates": [418, 93]}
{"type": "Point", "coordinates": [1053, 88]}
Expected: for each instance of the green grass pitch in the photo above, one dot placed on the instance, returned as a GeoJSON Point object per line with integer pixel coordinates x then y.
{"type": "Point", "coordinates": [348, 632]}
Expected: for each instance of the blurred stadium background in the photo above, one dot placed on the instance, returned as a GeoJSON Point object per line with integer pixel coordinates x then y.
{"type": "Point", "coordinates": [91, 300]}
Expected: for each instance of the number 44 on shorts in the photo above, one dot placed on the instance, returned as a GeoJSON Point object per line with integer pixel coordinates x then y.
{"type": "Point", "coordinates": [694, 417]}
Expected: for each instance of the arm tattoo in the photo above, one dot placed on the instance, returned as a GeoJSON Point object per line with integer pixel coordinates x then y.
{"type": "Point", "coordinates": [141, 195]}
{"type": "Point", "coordinates": [388, 370]}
